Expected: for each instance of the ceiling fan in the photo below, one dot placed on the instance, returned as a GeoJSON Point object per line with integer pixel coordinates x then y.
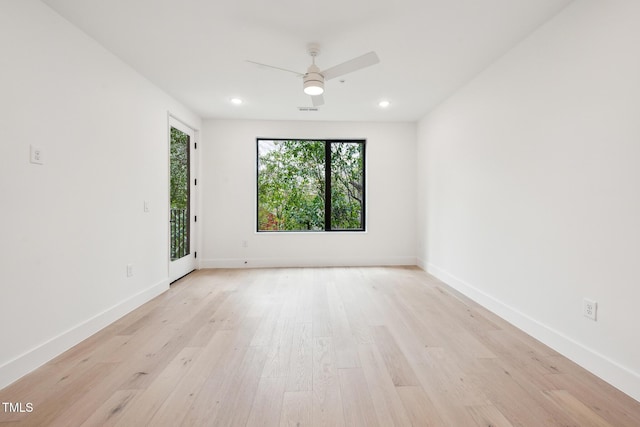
{"type": "Point", "coordinates": [313, 80]}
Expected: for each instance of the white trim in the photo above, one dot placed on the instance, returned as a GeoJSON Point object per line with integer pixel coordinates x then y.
{"type": "Point", "coordinates": [307, 262]}
{"type": "Point", "coordinates": [421, 263]}
{"type": "Point", "coordinates": [36, 357]}
{"type": "Point", "coordinates": [172, 116]}
{"type": "Point", "coordinates": [609, 370]}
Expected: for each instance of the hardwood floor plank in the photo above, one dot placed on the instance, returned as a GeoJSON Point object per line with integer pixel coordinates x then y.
{"type": "Point", "coordinates": [267, 327]}
{"type": "Point", "coordinates": [236, 360]}
{"type": "Point", "coordinates": [84, 406]}
{"type": "Point", "coordinates": [488, 415]}
{"type": "Point", "coordinates": [267, 404]}
{"type": "Point", "coordinates": [55, 377]}
{"type": "Point", "coordinates": [411, 335]}
{"type": "Point", "coordinates": [300, 373]}
{"type": "Point", "coordinates": [47, 408]}
{"type": "Point", "coordinates": [386, 401]}
{"type": "Point", "coordinates": [279, 354]}
{"type": "Point", "coordinates": [420, 409]}
{"type": "Point", "coordinates": [607, 402]}
{"type": "Point", "coordinates": [345, 343]}
{"type": "Point", "coordinates": [304, 304]}
{"type": "Point", "coordinates": [220, 393]}
{"type": "Point", "coordinates": [111, 411]}
{"type": "Point", "coordinates": [576, 409]}
{"type": "Point", "coordinates": [213, 324]}
{"type": "Point", "coordinates": [397, 365]}
{"type": "Point", "coordinates": [287, 284]}
{"type": "Point", "coordinates": [321, 320]}
{"type": "Point", "coordinates": [296, 409]}
{"type": "Point", "coordinates": [175, 407]}
{"type": "Point", "coordinates": [145, 405]}
{"type": "Point", "coordinates": [327, 407]}
{"type": "Point", "coordinates": [238, 397]}
{"type": "Point", "coordinates": [517, 396]}
{"type": "Point", "coordinates": [355, 300]}
{"type": "Point", "coordinates": [356, 399]}
{"type": "Point", "coordinates": [446, 374]}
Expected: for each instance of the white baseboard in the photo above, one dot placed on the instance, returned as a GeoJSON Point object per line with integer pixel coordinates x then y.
{"type": "Point", "coordinates": [609, 370]}
{"type": "Point", "coordinates": [36, 357]}
{"type": "Point", "coordinates": [306, 262]}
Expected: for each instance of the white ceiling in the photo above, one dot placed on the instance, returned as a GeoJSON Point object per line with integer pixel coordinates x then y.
{"type": "Point", "coordinates": [196, 50]}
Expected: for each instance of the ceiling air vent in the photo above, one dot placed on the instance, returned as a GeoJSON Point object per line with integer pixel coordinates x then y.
{"type": "Point", "coordinates": [308, 108]}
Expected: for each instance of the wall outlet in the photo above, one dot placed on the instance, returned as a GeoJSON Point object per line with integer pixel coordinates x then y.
{"type": "Point", "coordinates": [589, 309]}
{"type": "Point", "coordinates": [129, 270]}
{"type": "Point", "coordinates": [36, 155]}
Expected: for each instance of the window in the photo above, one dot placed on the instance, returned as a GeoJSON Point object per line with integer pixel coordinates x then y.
{"type": "Point", "coordinates": [295, 176]}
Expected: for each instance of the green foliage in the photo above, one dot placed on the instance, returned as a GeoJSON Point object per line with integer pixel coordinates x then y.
{"type": "Point", "coordinates": [179, 169]}
{"type": "Point", "coordinates": [347, 185]}
{"type": "Point", "coordinates": [179, 193]}
{"type": "Point", "coordinates": [292, 190]}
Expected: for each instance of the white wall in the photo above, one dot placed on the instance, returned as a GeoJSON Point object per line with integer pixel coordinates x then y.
{"type": "Point", "coordinates": [228, 162]}
{"type": "Point", "coordinates": [70, 226]}
{"type": "Point", "coordinates": [531, 196]}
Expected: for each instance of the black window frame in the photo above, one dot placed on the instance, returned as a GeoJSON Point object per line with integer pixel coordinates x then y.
{"type": "Point", "coordinates": [327, 207]}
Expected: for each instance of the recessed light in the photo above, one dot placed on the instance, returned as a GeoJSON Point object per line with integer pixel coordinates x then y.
{"type": "Point", "coordinates": [384, 104]}
{"type": "Point", "coordinates": [236, 101]}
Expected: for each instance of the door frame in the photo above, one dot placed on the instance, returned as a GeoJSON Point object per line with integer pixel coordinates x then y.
{"type": "Point", "coordinates": [185, 265]}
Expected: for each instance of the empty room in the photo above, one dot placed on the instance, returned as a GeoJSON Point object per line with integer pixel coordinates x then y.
{"type": "Point", "coordinates": [337, 213]}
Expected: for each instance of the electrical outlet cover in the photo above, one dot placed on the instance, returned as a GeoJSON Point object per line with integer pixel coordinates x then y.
{"type": "Point", "coordinates": [36, 155]}
{"type": "Point", "coordinates": [590, 309]}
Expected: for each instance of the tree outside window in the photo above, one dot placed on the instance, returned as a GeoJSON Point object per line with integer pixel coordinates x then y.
{"type": "Point", "coordinates": [295, 177]}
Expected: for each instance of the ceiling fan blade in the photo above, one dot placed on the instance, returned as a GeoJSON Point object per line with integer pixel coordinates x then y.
{"type": "Point", "coordinates": [317, 100]}
{"type": "Point", "coordinates": [350, 66]}
{"type": "Point", "coordinates": [277, 68]}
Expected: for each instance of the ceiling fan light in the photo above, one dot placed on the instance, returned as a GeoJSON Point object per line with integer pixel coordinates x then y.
{"type": "Point", "coordinates": [313, 87]}
{"type": "Point", "coordinates": [313, 83]}
{"type": "Point", "coordinates": [313, 90]}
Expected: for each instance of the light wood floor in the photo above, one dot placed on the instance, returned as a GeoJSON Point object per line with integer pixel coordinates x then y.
{"type": "Point", "coordinates": [314, 347]}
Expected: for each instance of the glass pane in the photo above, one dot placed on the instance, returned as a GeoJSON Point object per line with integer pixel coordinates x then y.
{"type": "Point", "coordinates": [179, 194]}
{"type": "Point", "coordinates": [291, 185]}
{"type": "Point", "coordinates": [347, 186]}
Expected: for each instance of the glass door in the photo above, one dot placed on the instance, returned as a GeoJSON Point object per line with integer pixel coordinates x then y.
{"type": "Point", "coordinates": [181, 199]}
